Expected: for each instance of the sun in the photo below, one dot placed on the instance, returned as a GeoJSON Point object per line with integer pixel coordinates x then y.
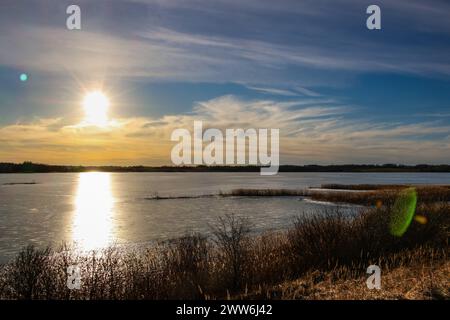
{"type": "Point", "coordinates": [96, 106]}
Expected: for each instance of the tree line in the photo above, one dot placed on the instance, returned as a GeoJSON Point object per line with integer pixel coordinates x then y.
{"type": "Point", "coordinates": [30, 167]}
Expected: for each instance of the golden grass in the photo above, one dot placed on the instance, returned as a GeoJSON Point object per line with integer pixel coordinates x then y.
{"type": "Point", "coordinates": [266, 192]}
{"type": "Point", "coordinates": [413, 282]}
{"type": "Point", "coordinates": [375, 186]}
{"type": "Point", "coordinates": [383, 196]}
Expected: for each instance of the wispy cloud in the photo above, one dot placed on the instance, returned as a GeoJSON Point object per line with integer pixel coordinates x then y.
{"type": "Point", "coordinates": [295, 92]}
{"type": "Point", "coordinates": [433, 114]}
{"type": "Point", "coordinates": [309, 134]}
{"type": "Point", "coordinates": [307, 92]}
{"type": "Point", "coordinates": [187, 44]}
{"type": "Point", "coordinates": [275, 91]}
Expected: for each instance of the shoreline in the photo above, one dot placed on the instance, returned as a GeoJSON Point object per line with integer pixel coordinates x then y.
{"type": "Point", "coordinates": [234, 261]}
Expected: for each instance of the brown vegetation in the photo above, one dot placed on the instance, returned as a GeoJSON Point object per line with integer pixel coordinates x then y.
{"type": "Point", "coordinates": [383, 196]}
{"type": "Point", "coordinates": [322, 256]}
{"type": "Point", "coordinates": [368, 195]}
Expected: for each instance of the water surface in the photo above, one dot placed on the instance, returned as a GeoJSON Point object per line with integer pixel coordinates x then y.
{"type": "Point", "coordinates": [95, 210]}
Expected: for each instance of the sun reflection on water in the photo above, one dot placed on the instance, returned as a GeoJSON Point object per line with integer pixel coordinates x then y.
{"type": "Point", "coordinates": [94, 209]}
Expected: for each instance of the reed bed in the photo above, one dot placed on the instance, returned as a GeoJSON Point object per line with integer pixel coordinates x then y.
{"type": "Point", "coordinates": [369, 195]}
{"type": "Point", "coordinates": [387, 197]}
{"type": "Point", "coordinates": [375, 186]}
{"type": "Point", "coordinates": [266, 193]}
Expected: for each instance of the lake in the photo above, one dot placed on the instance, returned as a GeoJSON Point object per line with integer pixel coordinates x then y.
{"type": "Point", "coordinates": [95, 210]}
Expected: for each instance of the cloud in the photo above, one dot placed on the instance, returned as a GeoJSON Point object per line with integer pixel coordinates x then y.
{"type": "Point", "coordinates": [209, 42]}
{"type": "Point", "coordinates": [433, 114]}
{"type": "Point", "coordinates": [307, 92]}
{"type": "Point", "coordinates": [274, 91]}
{"type": "Point", "coordinates": [154, 124]}
{"type": "Point", "coordinates": [309, 133]}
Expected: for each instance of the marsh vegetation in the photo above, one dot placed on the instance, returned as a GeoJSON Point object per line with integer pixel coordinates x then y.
{"type": "Point", "coordinates": [319, 256]}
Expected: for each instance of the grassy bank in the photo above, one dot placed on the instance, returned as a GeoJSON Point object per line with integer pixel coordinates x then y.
{"type": "Point", "coordinates": [384, 195]}
{"type": "Point", "coordinates": [368, 195]}
{"type": "Point", "coordinates": [327, 251]}
{"type": "Point", "coordinates": [415, 274]}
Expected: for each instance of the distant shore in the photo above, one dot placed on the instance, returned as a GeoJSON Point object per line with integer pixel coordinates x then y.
{"type": "Point", "coordinates": [30, 167]}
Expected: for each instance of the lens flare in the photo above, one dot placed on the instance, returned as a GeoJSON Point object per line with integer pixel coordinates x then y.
{"type": "Point", "coordinates": [403, 211]}
{"type": "Point", "coordinates": [421, 219]}
{"type": "Point", "coordinates": [379, 204]}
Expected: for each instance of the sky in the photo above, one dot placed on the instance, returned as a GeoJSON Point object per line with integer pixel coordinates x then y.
{"type": "Point", "coordinates": [338, 92]}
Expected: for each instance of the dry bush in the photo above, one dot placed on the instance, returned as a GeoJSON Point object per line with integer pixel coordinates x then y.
{"type": "Point", "coordinates": [28, 273]}
{"type": "Point", "coordinates": [231, 237]}
{"type": "Point", "coordinates": [186, 263]}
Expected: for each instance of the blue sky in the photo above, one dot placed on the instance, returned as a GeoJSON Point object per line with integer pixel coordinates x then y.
{"type": "Point", "coordinates": [338, 92]}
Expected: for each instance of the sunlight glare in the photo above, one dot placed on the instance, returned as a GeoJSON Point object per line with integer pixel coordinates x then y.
{"type": "Point", "coordinates": [94, 208]}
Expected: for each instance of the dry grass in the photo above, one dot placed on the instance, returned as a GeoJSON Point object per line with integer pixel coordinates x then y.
{"type": "Point", "coordinates": [369, 195]}
{"type": "Point", "coordinates": [374, 186]}
{"type": "Point", "coordinates": [420, 278]}
{"type": "Point", "coordinates": [382, 196]}
{"type": "Point", "coordinates": [363, 186]}
{"type": "Point", "coordinates": [266, 192]}
{"type": "Point", "coordinates": [323, 256]}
